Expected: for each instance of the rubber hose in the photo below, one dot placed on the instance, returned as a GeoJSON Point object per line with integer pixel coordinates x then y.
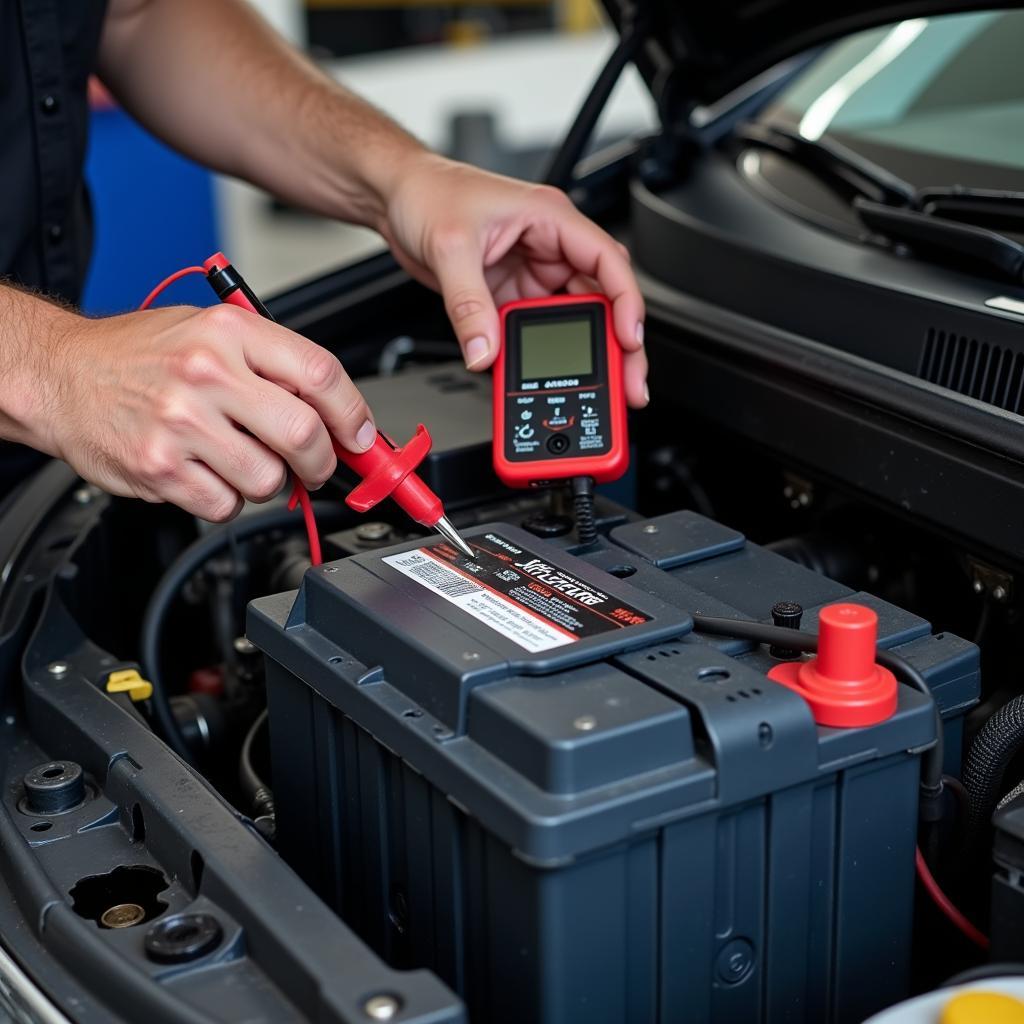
{"type": "Point", "coordinates": [994, 747]}
{"type": "Point", "coordinates": [255, 790]}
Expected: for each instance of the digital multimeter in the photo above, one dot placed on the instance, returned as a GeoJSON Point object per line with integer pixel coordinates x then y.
{"type": "Point", "coordinates": [559, 402]}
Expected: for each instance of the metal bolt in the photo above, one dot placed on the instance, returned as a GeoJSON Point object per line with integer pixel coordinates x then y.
{"type": "Point", "coordinates": [381, 1007]}
{"type": "Point", "coordinates": [122, 915]}
{"type": "Point", "coordinates": [243, 645]}
{"type": "Point", "coordinates": [58, 668]}
{"type": "Point", "coordinates": [585, 723]}
{"type": "Point", "coordinates": [650, 528]}
{"type": "Point", "coordinates": [977, 586]}
{"type": "Point", "coordinates": [83, 495]}
{"type": "Point", "coordinates": [999, 592]}
{"type": "Point", "coordinates": [373, 532]}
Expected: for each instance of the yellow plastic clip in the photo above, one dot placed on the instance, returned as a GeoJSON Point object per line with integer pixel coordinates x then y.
{"type": "Point", "coordinates": [128, 680]}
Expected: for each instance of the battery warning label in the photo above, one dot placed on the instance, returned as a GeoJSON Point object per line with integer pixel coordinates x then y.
{"type": "Point", "coordinates": [516, 593]}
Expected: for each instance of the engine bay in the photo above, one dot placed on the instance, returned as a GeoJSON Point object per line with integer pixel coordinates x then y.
{"type": "Point", "coordinates": [553, 782]}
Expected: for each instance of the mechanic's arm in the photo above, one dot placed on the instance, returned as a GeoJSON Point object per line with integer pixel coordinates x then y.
{"type": "Point", "coordinates": [201, 408]}
{"type": "Point", "coordinates": [212, 79]}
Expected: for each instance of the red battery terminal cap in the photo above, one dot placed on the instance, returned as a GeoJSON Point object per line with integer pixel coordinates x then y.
{"type": "Point", "coordinates": [843, 685]}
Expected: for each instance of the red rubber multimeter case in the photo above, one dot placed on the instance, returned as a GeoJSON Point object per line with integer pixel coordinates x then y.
{"type": "Point", "coordinates": [554, 426]}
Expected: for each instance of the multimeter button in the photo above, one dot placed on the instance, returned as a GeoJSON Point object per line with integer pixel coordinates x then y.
{"type": "Point", "coordinates": [558, 444]}
{"type": "Point", "coordinates": [560, 424]}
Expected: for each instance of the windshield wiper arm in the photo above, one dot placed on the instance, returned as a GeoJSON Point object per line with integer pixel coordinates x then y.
{"type": "Point", "coordinates": [854, 174]}
{"type": "Point", "coordinates": [952, 225]}
{"type": "Point", "coordinates": [948, 241]}
{"type": "Point", "coordinates": [984, 207]}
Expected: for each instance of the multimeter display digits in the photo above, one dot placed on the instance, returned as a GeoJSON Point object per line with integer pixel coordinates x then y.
{"type": "Point", "coordinates": [559, 401]}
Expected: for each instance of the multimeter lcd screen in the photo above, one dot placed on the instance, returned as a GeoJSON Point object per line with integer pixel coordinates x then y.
{"type": "Point", "coordinates": [560, 348]}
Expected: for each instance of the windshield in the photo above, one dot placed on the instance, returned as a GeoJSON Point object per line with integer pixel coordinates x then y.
{"type": "Point", "coordinates": [936, 101]}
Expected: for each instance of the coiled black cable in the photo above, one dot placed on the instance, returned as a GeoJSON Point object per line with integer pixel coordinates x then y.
{"type": "Point", "coordinates": [583, 507]}
{"type": "Point", "coordinates": [996, 744]}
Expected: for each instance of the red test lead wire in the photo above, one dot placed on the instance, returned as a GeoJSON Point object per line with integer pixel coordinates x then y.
{"type": "Point", "coordinates": [300, 496]}
{"type": "Point", "coordinates": [167, 281]}
{"type": "Point", "coordinates": [943, 902]}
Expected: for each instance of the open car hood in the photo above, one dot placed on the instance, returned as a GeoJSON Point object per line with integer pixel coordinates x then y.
{"type": "Point", "coordinates": [697, 52]}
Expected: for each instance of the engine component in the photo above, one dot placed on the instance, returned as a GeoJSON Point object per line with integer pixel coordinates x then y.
{"type": "Point", "coordinates": [527, 772]}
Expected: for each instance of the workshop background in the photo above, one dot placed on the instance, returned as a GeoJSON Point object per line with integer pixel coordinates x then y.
{"type": "Point", "coordinates": [496, 84]}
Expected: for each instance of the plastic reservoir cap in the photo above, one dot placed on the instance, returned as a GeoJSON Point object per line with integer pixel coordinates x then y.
{"type": "Point", "coordinates": [982, 1008]}
{"type": "Point", "coordinates": [843, 685]}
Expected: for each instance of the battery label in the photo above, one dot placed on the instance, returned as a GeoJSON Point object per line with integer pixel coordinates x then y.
{"type": "Point", "coordinates": [516, 592]}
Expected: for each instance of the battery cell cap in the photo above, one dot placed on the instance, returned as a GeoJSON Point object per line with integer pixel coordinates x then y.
{"type": "Point", "coordinates": [843, 685]}
{"type": "Point", "coordinates": [980, 1007]}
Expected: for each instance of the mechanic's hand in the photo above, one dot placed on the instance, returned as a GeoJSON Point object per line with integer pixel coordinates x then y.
{"type": "Point", "coordinates": [201, 408]}
{"type": "Point", "coordinates": [482, 239]}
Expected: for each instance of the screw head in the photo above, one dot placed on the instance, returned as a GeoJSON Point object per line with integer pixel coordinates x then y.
{"type": "Point", "coordinates": [382, 1007]}
{"type": "Point", "coordinates": [585, 723]}
{"type": "Point", "coordinates": [650, 528]}
{"type": "Point", "coordinates": [735, 961]}
{"type": "Point", "coordinates": [84, 495]}
{"type": "Point", "coordinates": [122, 915]}
{"type": "Point", "coordinates": [999, 593]}
{"type": "Point", "coordinates": [58, 668]}
{"type": "Point", "coordinates": [977, 586]}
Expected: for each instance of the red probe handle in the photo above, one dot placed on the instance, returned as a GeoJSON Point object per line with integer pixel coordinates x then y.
{"type": "Point", "coordinates": [387, 470]}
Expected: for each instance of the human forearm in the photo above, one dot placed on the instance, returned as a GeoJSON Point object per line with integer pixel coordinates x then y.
{"type": "Point", "coordinates": [213, 80]}
{"type": "Point", "coordinates": [32, 333]}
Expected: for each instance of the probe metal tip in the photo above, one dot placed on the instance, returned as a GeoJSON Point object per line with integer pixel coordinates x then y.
{"type": "Point", "coordinates": [445, 528]}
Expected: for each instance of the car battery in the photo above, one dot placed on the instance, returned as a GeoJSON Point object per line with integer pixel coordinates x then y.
{"type": "Point", "coordinates": [530, 774]}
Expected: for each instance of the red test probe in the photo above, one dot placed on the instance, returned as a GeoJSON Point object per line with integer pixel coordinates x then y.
{"type": "Point", "coordinates": [385, 469]}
